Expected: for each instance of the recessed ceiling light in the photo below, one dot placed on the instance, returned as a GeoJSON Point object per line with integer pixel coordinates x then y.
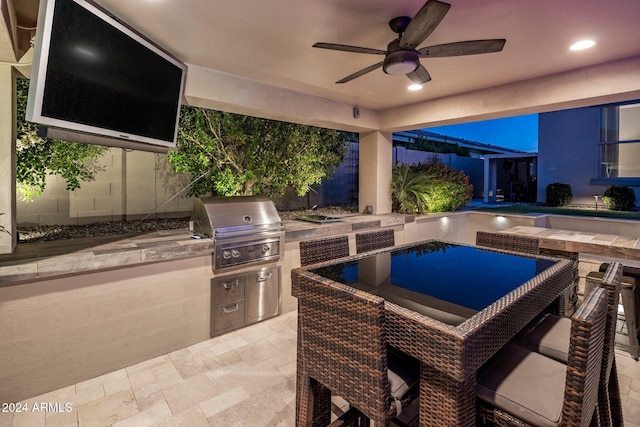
{"type": "Point", "coordinates": [415, 86]}
{"type": "Point", "coordinates": [582, 44]}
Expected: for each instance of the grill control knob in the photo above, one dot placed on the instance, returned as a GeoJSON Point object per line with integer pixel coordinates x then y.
{"type": "Point", "coordinates": [235, 253]}
{"type": "Point", "coordinates": [265, 248]}
{"type": "Point", "coordinates": [226, 254]}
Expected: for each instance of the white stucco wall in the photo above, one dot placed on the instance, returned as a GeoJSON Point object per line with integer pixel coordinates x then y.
{"type": "Point", "coordinates": [568, 152]}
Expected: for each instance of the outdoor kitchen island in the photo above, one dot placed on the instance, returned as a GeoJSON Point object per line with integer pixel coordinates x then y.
{"type": "Point", "coordinates": [78, 309]}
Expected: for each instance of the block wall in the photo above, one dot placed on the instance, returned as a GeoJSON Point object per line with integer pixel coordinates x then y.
{"type": "Point", "coordinates": [130, 186]}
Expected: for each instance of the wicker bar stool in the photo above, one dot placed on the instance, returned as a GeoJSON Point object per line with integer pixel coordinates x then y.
{"type": "Point", "coordinates": [519, 387]}
{"type": "Point", "coordinates": [343, 350]}
{"type": "Point", "coordinates": [319, 250]}
{"type": "Point", "coordinates": [630, 295]}
{"type": "Point", "coordinates": [366, 242]}
{"type": "Point", "coordinates": [530, 245]}
{"type": "Point", "coordinates": [569, 299]}
{"type": "Point", "coordinates": [508, 242]}
{"type": "Point", "coordinates": [549, 335]}
{"type": "Point", "coordinates": [311, 252]}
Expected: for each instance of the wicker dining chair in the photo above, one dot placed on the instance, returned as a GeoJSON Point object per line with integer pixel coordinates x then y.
{"type": "Point", "coordinates": [565, 305]}
{"type": "Point", "coordinates": [519, 387]}
{"type": "Point", "coordinates": [343, 350]}
{"type": "Point", "coordinates": [366, 242]}
{"type": "Point", "coordinates": [508, 242]}
{"type": "Point", "coordinates": [549, 335]}
{"type": "Point", "coordinates": [326, 249]}
{"type": "Point", "coordinates": [630, 296]}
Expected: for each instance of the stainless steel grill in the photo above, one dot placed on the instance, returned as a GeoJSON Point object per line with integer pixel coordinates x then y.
{"type": "Point", "coordinates": [244, 229]}
{"type": "Point", "coordinates": [248, 241]}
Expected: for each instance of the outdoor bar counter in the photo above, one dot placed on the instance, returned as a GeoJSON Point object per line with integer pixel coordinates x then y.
{"type": "Point", "coordinates": [606, 245]}
{"type": "Point", "coordinates": [76, 309]}
{"type": "Point", "coordinates": [44, 260]}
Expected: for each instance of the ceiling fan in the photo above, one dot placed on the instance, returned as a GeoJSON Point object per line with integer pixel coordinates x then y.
{"type": "Point", "coordinates": [401, 56]}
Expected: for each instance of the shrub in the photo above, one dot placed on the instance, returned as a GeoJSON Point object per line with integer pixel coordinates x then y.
{"type": "Point", "coordinates": [559, 194]}
{"type": "Point", "coordinates": [619, 198]}
{"type": "Point", "coordinates": [429, 187]}
{"type": "Point", "coordinates": [445, 196]}
{"type": "Point", "coordinates": [408, 188]}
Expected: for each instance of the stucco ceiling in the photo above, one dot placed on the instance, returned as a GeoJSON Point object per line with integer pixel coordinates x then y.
{"type": "Point", "coordinates": [270, 42]}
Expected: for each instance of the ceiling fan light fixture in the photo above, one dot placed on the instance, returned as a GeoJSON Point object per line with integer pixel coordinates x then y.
{"type": "Point", "coordinates": [401, 62]}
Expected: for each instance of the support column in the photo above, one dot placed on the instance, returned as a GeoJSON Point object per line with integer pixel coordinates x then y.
{"type": "Point", "coordinates": [490, 179]}
{"type": "Point", "coordinates": [488, 187]}
{"type": "Point", "coordinates": [8, 233]}
{"type": "Point", "coordinates": [375, 157]}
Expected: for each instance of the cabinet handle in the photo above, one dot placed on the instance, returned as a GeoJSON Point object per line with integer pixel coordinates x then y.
{"type": "Point", "coordinates": [230, 308]}
{"type": "Point", "coordinates": [230, 285]}
{"type": "Point", "coordinates": [264, 276]}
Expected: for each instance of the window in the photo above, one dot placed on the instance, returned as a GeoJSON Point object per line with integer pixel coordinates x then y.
{"type": "Point", "coordinates": [620, 141]}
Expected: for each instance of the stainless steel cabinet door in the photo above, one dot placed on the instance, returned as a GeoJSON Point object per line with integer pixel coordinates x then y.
{"type": "Point", "coordinates": [262, 293]}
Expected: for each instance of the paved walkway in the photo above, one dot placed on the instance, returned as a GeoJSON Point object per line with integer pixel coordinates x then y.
{"type": "Point", "coordinates": [243, 378]}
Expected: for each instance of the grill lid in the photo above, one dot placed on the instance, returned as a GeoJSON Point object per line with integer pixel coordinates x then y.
{"type": "Point", "coordinates": [216, 216]}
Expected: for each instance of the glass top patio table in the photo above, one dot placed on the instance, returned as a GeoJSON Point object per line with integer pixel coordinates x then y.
{"type": "Point", "coordinates": [450, 306]}
{"type": "Point", "coordinates": [446, 281]}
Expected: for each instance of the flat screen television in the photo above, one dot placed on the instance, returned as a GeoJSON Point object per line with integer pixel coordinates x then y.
{"type": "Point", "coordinates": [93, 74]}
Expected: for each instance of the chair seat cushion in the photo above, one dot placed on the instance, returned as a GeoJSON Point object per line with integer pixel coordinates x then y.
{"type": "Point", "coordinates": [525, 384]}
{"type": "Point", "coordinates": [549, 335]}
{"type": "Point", "coordinates": [403, 372]}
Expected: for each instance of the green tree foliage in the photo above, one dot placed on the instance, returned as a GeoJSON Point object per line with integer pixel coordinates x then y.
{"type": "Point", "coordinates": [38, 157]}
{"type": "Point", "coordinates": [429, 187]}
{"type": "Point", "coordinates": [243, 155]}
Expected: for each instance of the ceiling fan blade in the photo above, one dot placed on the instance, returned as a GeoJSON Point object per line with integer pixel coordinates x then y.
{"type": "Point", "coordinates": [470, 47]}
{"type": "Point", "coordinates": [347, 48]}
{"type": "Point", "coordinates": [360, 73]}
{"type": "Point", "coordinates": [423, 23]}
{"type": "Point", "coordinates": [420, 75]}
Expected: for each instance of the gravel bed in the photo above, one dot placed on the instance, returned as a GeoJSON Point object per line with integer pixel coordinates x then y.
{"type": "Point", "coordinates": [31, 234]}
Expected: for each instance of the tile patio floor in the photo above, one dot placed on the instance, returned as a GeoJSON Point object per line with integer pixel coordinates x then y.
{"type": "Point", "coordinates": [244, 378]}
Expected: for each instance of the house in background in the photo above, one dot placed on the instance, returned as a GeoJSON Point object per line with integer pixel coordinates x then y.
{"type": "Point", "coordinates": [591, 149]}
{"type": "Point", "coordinates": [497, 173]}
{"type": "Point", "coordinates": [409, 147]}
{"type": "Point", "coordinates": [509, 179]}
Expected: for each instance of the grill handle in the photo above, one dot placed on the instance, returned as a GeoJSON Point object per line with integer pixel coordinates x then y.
{"type": "Point", "coordinates": [230, 308]}
{"type": "Point", "coordinates": [264, 276]}
{"type": "Point", "coordinates": [231, 285]}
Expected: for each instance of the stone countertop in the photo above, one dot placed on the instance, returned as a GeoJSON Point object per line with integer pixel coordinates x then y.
{"type": "Point", "coordinates": [609, 245]}
{"type": "Point", "coordinates": [42, 260]}
{"type": "Point", "coordinates": [302, 230]}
